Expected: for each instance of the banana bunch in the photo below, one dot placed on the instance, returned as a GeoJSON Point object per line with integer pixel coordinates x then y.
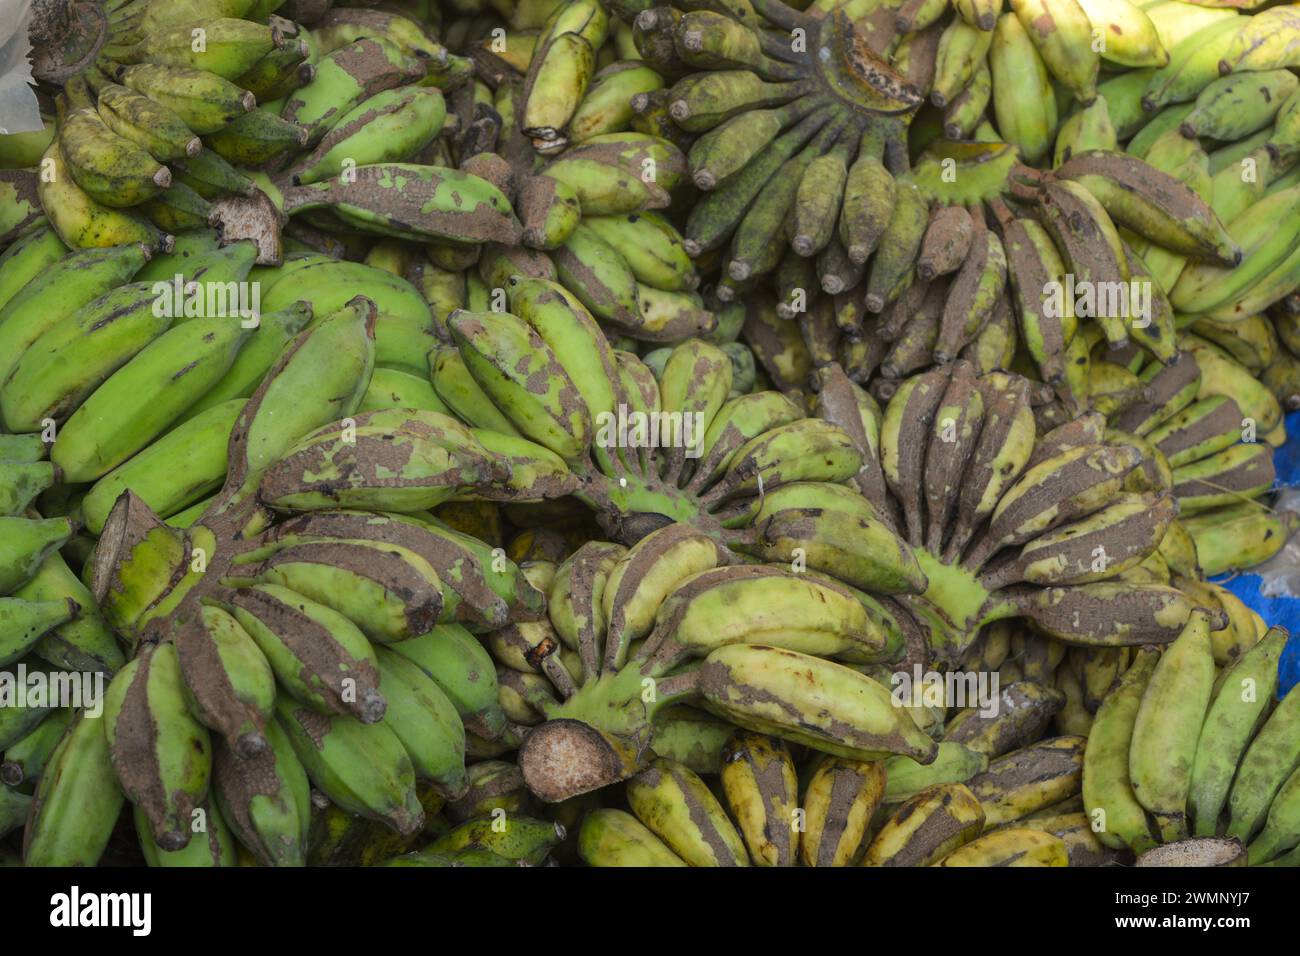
{"type": "Point", "coordinates": [1206, 419]}
{"type": "Point", "coordinates": [265, 629]}
{"type": "Point", "coordinates": [1179, 750]}
{"type": "Point", "coordinates": [634, 635]}
{"type": "Point", "coordinates": [185, 101]}
{"type": "Point", "coordinates": [776, 807]}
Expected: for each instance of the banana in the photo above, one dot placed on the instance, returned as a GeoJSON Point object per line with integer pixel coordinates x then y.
{"type": "Point", "coordinates": [1027, 120]}
{"type": "Point", "coordinates": [161, 754]}
{"type": "Point", "coordinates": [1241, 702]}
{"type": "Point", "coordinates": [85, 643]}
{"type": "Point", "coordinates": [213, 843]}
{"type": "Point", "coordinates": [344, 78]}
{"type": "Point", "coordinates": [524, 377]}
{"type": "Point", "coordinates": [1108, 613]}
{"type": "Point", "coordinates": [759, 687]}
{"type": "Point", "coordinates": [1267, 763]}
{"type": "Point", "coordinates": [962, 49]}
{"type": "Point", "coordinates": [1239, 536]}
{"type": "Point", "coordinates": [281, 71]}
{"type": "Point", "coordinates": [644, 577]}
{"type": "Point", "coordinates": [110, 169]}
{"type": "Point", "coordinates": [363, 583]}
{"type": "Point", "coordinates": [317, 654]}
{"type": "Point", "coordinates": [1167, 725]}
{"type": "Point", "coordinates": [1128, 36]}
{"type": "Point", "coordinates": [70, 360]}
{"type": "Point", "coordinates": [400, 460]}
{"type": "Point", "coordinates": [839, 801]}
{"type": "Point", "coordinates": [747, 604]}
{"type": "Point", "coordinates": [1265, 42]}
{"type": "Point", "coordinates": [891, 266]}
{"type": "Point", "coordinates": [77, 800]}
{"type": "Point", "coordinates": [140, 400]}
{"type": "Point", "coordinates": [25, 759]}
{"type": "Point", "coordinates": [1023, 711]}
{"type": "Point", "coordinates": [1205, 286]}
{"type": "Point", "coordinates": [22, 623]}
{"type": "Point", "coordinates": [1152, 203]}
{"type": "Point", "coordinates": [1193, 63]}
{"type": "Point", "coordinates": [1131, 528]}
{"type": "Point", "coordinates": [761, 791]}
{"type": "Point", "coordinates": [612, 837]}
{"type": "Point", "coordinates": [296, 397]}
{"type": "Point", "coordinates": [204, 101]}
{"type": "Point", "coordinates": [1220, 375]}
{"type": "Point", "coordinates": [461, 667]}
{"type": "Point", "coordinates": [150, 125]}
{"type": "Point", "coordinates": [1235, 106]}
{"type": "Point", "coordinates": [1030, 779]}
{"type": "Point", "coordinates": [411, 201]}
{"type": "Point", "coordinates": [955, 763]}
{"type": "Point", "coordinates": [652, 248]}
{"type": "Point", "coordinates": [927, 827]}
{"type": "Point", "coordinates": [678, 807]}
{"type": "Point", "coordinates": [1090, 243]}
{"type": "Point", "coordinates": [1013, 846]}
{"type": "Point", "coordinates": [274, 331]}
{"type": "Point", "coordinates": [600, 277]}
{"type": "Point", "coordinates": [27, 258]}
{"type": "Point", "coordinates": [516, 837]}
{"type": "Point", "coordinates": [80, 221]}
{"type": "Point", "coordinates": [1062, 34]}
{"type": "Point", "coordinates": [361, 767]}
{"type": "Point", "coordinates": [392, 126]}
{"type": "Point", "coordinates": [1281, 829]}
{"type": "Point", "coordinates": [1238, 472]}
{"type": "Point", "coordinates": [26, 543]}
{"type": "Point", "coordinates": [425, 721]}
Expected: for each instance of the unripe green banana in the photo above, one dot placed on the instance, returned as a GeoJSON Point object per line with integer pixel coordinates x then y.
{"type": "Point", "coordinates": [1168, 724]}
{"type": "Point", "coordinates": [161, 754]}
{"type": "Point", "coordinates": [77, 800]}
{"type": "Point", "coordinates": [361, 767]}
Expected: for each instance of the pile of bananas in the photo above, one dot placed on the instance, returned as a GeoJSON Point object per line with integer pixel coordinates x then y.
{"type": "Point", "coordinates": [527, 431]}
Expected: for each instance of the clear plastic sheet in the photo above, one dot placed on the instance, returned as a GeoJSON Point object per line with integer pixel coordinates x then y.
{"type": "Point", "coordinates": [19, 112]}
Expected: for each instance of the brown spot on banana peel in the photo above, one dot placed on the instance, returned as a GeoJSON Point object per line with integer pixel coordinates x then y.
{"type": "Point", "coordinates": [412, 207]}
{"type": "Point", "coordinates": [1087, 429]}
{"type": "Point", "coordinates": [209, 683]}
{"type": "Point", "coordinates": [240, 780]}
{"type": "Point", "coordinates": [325, 665]}
{"type": "Point", "coordinates": [1106, 614]}
{"type": "Point", "coordinates": [770, 779]}
{"type": "Point", "coordinates": [371, 462]}
{"type": "Point", "coordinates": [1224, 420]}
{"type": "Point", "coordinates": [1165, 385]}
{"type": "Point", "coordinates": [1023, 712]}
